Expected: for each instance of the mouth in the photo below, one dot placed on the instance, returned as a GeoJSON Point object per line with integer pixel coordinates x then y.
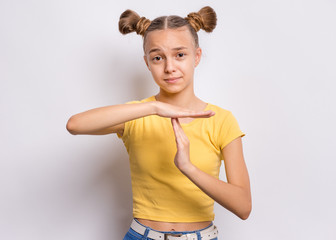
{"type": "Point", "coordinates": [172, 79]}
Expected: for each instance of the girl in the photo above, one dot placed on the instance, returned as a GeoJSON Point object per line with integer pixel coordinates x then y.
{"type": "Point", "coordinates": [175, 140]}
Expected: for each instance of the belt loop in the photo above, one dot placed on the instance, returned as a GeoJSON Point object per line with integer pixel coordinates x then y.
{"type": "Point", "coordinates": [145, 234]}
{"type": "Point", "coordinates": [198, 235]}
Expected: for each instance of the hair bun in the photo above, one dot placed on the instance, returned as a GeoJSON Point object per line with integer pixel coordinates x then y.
{"type": "Point", "coordinates": [130, 21]}
{"type": "Point", "coordinates": [205, 19]}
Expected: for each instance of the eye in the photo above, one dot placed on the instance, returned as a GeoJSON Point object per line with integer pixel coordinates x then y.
{"type": "Point", "coordinates": [157, 58]}
{"type": "Point", "coordinates": [181, 55]}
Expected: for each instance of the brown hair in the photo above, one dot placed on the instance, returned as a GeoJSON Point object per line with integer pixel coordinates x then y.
{"type": "Point", "coordinates": [205, 19]}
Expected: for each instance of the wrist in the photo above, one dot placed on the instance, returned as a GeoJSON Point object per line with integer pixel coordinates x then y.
{"type": "Point", "coordinates": [153, 108]}
{"type": "Point", "coordinates": [188, 169]}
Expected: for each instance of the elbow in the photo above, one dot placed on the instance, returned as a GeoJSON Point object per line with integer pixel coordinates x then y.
{"type": "Point", "coordinates": [245, 212]}
{"type": "Point", "coordinates": [245, 215]}
{"type": "Point", "coordinates": [71, 126]}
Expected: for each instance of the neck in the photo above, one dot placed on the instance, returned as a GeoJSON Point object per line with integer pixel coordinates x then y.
{"type": "Point", "coordinates": [182, 99]}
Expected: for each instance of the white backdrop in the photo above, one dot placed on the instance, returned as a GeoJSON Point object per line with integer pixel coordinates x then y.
{"type": "Point", "coordinates": [272, 63]}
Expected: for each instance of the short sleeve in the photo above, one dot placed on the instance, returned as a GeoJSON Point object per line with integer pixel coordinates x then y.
{"type": "Point", "coordinates": [127, 124]}
{"type": "Point", "coordinates": [229, 130]}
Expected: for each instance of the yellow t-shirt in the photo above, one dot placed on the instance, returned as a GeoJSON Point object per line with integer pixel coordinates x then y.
{"type": "Point", "coordinates": [160, 191]}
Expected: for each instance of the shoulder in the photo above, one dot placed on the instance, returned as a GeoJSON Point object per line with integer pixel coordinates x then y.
{"type": "Point", "coordinates": [223, 116]}
{"type": "Point", "coordinates": [225, 125]}
{"type": "Point", "coordinates": [148, 99]}
{"type": "Point", "coordinates": [220, 112]}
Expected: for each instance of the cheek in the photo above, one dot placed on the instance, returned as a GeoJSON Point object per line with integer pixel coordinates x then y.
{"type": "Point", "coordinates": [188, 66]}
{"type": "Point", "coordinates": [155, 69]}
{"type": "Point", "coordinates": [156, 72]}
{"type": "Point", "coordinates": [158, 67]}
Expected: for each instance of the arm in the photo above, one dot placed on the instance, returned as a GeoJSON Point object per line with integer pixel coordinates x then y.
{"type": "Point", "coordinates": [233, 195]}
{"type": "Point", "coordinates": [111, 119]}
{"type": "Point", "coordinates": [107, 119]}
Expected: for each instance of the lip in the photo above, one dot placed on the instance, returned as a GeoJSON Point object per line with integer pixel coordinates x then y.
{"type": "Point", "coordinates": [172, 79]}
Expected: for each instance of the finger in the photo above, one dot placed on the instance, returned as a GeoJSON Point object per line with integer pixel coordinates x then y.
{"type": "Point", "coordinates": [174, 124]}
{"type": "Point", "coordinates": [178, 131]}
{"type": "Point", "coordinates": [180, 134]}
{"type": "Point", "coordinates": [200, 114]}
{"type": "Point", "coordinates": [175, 128]}
{"type": "Point", "coordinates": [181, 131]}
{"type": "Point", "coordinates": [173, 121]}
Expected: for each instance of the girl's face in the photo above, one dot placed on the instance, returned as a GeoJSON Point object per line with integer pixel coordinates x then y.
{"type": "Point", "coordinates": [171, 56]}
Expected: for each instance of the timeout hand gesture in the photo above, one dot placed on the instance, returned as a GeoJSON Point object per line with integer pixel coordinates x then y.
{"type": "Point", "coordinates": [171, 111]}
{"type": "Point", "coordinates": [182, 159]}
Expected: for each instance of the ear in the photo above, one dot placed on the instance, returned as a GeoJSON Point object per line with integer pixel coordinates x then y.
{"type": "Point", "coordinates": [198, 55]}
{"type": "Point", "coordinates": [146, 61]}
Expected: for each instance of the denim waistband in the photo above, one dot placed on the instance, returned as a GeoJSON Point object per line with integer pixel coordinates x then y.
{"type": "Point", "coordinates": [134, 235]}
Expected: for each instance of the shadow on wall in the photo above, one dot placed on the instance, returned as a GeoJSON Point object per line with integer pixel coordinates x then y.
{"type": "Point", "coordinates": [114, 181]}
{"type": "Point", "coordinates": [117, 172]}
{"type": "Point", "coordinates": [105, 193]}
{"type": "Point", "coordinates": [143, 85]}
{"type": "Point", "coordinates": [131, 81]}
{"type": "Point", "coordinates": [81, 192]}
{"type": "Point", "coordinates": [103, 183]}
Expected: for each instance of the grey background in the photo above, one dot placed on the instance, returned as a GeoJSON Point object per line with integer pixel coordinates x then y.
{"type": "Point", "coordinates": [272, 63]}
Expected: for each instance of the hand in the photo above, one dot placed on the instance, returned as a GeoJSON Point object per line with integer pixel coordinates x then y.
{"type": "Point", "coordinates": [171, 111]}
{"type": "Point", "coordinates": [182, 158]}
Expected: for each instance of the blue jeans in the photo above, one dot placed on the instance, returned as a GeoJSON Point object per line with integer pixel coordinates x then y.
{"type": "Point", "coordinates": [132, 235]}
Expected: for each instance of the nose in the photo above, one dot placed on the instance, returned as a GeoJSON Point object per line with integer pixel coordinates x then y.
{"type": "Point", "coordinates": [169, 65]}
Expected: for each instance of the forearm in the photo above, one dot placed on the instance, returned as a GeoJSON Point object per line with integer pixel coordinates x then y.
{"type": "Point", "coordinates": [95, 121]}
{"type": "Point", "coordinates": [232, 197]}
{"type": "Point", "coordinates": [104, 117]}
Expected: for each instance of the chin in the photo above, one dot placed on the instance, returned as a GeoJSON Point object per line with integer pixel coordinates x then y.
{"type": "Point", "coordinates": [173, 90]}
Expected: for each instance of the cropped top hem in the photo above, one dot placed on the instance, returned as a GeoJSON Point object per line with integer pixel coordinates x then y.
{"type": "Point", "coordinates": [175, 219]}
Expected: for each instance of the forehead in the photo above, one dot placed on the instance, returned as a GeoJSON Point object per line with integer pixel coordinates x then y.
{"type": "Point", "coordinates": [169, 38]}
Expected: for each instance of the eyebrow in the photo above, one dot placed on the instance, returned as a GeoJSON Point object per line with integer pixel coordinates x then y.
{"type": "Point", "coordinates": [158, 50]}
